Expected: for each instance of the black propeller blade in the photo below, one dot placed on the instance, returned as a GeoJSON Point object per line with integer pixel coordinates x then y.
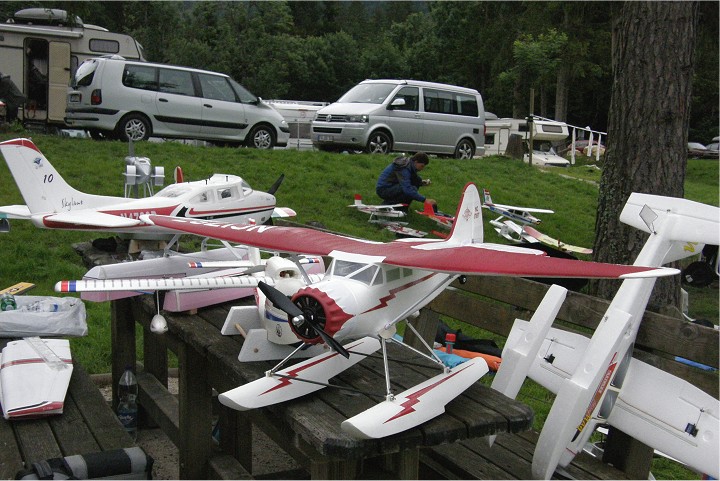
{"type": "Point", "coordinates": [273, 188]}
{"type": "Point", "coordinates": [281, 301]}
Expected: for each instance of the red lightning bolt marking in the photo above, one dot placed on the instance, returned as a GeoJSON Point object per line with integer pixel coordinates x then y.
{"type": "Point", "coordinates": [286, 381]}
{"type": "Point", "coordinates": [414, 398]}
{"type": "Point", "coordinates": [384, 300]}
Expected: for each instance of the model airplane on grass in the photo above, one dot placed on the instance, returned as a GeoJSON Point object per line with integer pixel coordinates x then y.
{"type": "Point", "coordinates": [52, 203]}
{"type": "Point", "coordinates": [442, 219]}
{"type": "Point", "coordinates": [547, 240]}
{"type": "Point", "coordinates": [379, 214]}
{"type": "Point", "coordinates": [370, 287]}
{"type": "Point", "coordinates": [596, 380]}
{"type": "Point", "coordinates": [519, 214]}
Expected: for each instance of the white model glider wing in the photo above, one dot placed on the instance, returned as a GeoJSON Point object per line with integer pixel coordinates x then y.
{"type": "Point", "coordinates": [89, 217]}
{"type": "Point", "coordinates": [519, 210]}
{"type": "Point", "coordinates": [15, 212]}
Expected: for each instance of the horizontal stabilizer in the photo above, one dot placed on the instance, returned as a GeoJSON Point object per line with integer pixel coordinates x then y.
{"type": "Point", "coordinates": [289, 383]}
{"type": "Point", "coordinates": [417, 404]}
{"type": "Point", "coordinates": [174, 283]}
{"type": "Point", "coordinates": [15, 212]}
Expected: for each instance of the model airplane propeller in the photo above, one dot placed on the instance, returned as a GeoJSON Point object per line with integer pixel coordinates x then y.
{"type": "Point", "coordinates": [52, 203]}
{"type": "Point", "coordinates": [369, 288]}
{"type": "Point", "coordinates": [596, 380]}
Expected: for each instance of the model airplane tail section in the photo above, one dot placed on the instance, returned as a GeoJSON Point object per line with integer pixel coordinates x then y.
{"type": "Point", "coordinates": [681, 222]}
{"type": "Point", "coordinates": [468, 226]}
{"type": "Point", "coordinates": [487, 200]}
{"type": "Point", "coordinates": [41, 186]}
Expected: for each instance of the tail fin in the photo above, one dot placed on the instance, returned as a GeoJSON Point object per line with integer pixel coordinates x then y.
{"type": "Point", "coordinates": [468, 226]}
{"type": "Point", "coordinates": [681, 224]}
{"type": "Point", "coordinates": [358, 199]}
{"type": "Point", "coordinates": [428, 209]}
{"type": "Point", "coordinates": [486, 197]}
{"type": "Point", "coordinates": [41, 186]}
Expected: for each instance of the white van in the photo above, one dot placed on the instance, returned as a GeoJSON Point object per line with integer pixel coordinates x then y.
{"type": "Point", "coordinates": [118, 98]}
{"type": "Point", "coordinates": [380, 116]}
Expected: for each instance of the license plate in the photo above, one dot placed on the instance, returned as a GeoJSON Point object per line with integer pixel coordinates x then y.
{"type": "Point", "coordinates": [74, 97]}
{"type": "Point", "coordinates": [325, 138]}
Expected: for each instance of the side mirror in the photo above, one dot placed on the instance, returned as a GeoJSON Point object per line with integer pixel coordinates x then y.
{"type": "Point", "coordinates": [398, 102]}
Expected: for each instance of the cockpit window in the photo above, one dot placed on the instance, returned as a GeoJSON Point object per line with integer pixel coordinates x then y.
{"type": "Point", "coordinates": [356, 271]}
{"type": "Point", "coordinates": [173, 190]}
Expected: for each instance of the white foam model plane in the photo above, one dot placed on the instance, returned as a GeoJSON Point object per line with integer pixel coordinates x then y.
{"type": "Point", "coordinates": [370, 287]}
{"type": "Point", "coordinates": [52, 203]}
{"type": "Point", "coordinates": [385, 212]}
{"type": "Point", "coordinates": [382, 210]}
{"type": "Point", "coordinates": [596, 380]}
{"type": "Point", "coordinates": [519, 214]}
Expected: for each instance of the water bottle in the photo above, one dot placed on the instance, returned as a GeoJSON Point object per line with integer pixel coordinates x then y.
{"type": "Point", "coordinates": [127, 410]}
{"type": "Point", "coordinates": [7, 302]}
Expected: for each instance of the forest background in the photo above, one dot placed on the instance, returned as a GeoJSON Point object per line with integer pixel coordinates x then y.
{"type": "Point", "coordinates": [314, 50]}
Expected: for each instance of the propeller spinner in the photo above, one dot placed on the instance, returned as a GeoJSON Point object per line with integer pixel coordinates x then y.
{"type": "Point", "coordinates": [304, 318]}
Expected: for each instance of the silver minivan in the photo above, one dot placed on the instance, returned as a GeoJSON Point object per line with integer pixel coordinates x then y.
{"type": "Point", "coordinates": [381, 116]}
{"type": "Point", "coordinates": [117, 98]}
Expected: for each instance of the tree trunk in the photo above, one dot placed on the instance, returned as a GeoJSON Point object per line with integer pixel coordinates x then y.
{"type": "Point", "coordinates": [652, 57]}
{"type": "Point", "coordinates": [561, 93]}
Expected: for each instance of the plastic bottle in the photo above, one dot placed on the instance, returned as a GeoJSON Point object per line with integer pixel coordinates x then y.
{"type": "Point", "coordinates": [449, 342]}
{"type": "Point", "coordinates": [7, 302]}
{"type": "Point", "coordinates": [127, 410]}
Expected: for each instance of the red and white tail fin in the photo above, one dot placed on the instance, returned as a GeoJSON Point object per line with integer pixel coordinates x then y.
{"type": "Point", "coordinates": [358, 199]}
{"type": "Point", "coordinates": [42, 187]}
{"type": "Point", "coordinates": [468, 226]}
{"type": "Point", "coordinates": [178, 174]}
{"type": "Point", "coordinates": [486, 197]}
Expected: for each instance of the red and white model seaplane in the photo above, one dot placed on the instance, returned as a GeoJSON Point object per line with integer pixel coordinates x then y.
{"type": "Point", "coordinates": [366, 291]}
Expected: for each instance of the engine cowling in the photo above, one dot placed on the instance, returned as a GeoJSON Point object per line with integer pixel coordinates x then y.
{"type": "Point", "coordinates": [321, 309]}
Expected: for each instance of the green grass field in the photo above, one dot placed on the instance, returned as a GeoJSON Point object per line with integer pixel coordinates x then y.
{"type": "Point", "coordinates": [319, 186]}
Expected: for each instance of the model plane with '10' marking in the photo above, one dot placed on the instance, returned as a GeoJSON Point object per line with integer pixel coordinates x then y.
{"type": "Point", "coordinates": [596, 380]}
{"type": "Point", "coordinates": [367, 289]}
{"type": "Point", "coordinates": [51, 203]}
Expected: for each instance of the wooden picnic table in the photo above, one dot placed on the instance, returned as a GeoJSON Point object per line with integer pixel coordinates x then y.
{"type": "Point", "coordinates": [87, 425]}
{"type": "Point", "coordinates": [307, 428]}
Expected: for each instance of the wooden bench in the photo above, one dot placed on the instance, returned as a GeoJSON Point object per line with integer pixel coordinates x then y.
{"type": "Point", "coordinates": [493, 304]}
{"type": "Point", "coordinates": [86, 425]}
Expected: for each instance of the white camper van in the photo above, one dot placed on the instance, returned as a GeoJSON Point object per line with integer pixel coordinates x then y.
{"type": "Point", "coordinates": [546, 133]}
{"type": "Point", "coordinates": [41, 49]}
{"type": "Point", "coordinates": [381, 116]}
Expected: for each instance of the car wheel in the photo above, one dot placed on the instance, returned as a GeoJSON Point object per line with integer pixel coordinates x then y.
{"type": "Point", "coordinates": [465, 149]}
{"type": "Point", "coordinates": [261, 137]}
{"type": "Point", "coordinates": [379, 143]}
{"type": "Point", "coordinates": [133, 127]}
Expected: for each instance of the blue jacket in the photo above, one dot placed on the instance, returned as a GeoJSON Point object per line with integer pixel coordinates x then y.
{"type": "Point", "coordinates": [406, 176]}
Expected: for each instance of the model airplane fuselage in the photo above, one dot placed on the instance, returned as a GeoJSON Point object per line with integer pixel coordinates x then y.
{"type": "Point", "coordinates": [598, 381]}
{"type": "Point", "coordinates": [382, 210]}
{"type": "Point", "coordinates": [53, 204]}
{"type": "Point", "coordinates": [523, 215]}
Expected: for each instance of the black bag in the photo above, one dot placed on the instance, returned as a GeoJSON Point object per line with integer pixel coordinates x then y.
{"type": "Point", "coordinates": [467, 343]}
{"type": "Point", "coordinates": [128, 463]}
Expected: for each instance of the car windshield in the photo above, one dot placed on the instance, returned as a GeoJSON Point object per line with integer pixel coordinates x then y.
{"type": "Point", "coordinates": [370, 93]}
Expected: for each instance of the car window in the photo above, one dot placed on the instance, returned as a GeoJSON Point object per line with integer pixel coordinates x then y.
{"type": "Point", "coordinates": [443, 102]}
{"type": "Point", "coordinates": [216, 87]}
{"type": "Point", "coordinates": [140, 77]}
{"type": "Point", "coordinates": [243, 94]}
{"type": "Point", "coordinates": [177, 82]}
{"type": "Point", "coordinates": [370, 93]}
{"type": "Point", "coordinates": [411, 95]}
{"type": "Point", "coordinates": [85, 73]}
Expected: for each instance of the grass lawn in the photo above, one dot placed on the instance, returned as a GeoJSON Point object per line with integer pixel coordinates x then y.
{"type": "Point", "coordinates": [319, 186]}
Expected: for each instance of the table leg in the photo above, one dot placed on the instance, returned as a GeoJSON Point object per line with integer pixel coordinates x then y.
{"type": "Point", "coordinates": [195, 403]}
